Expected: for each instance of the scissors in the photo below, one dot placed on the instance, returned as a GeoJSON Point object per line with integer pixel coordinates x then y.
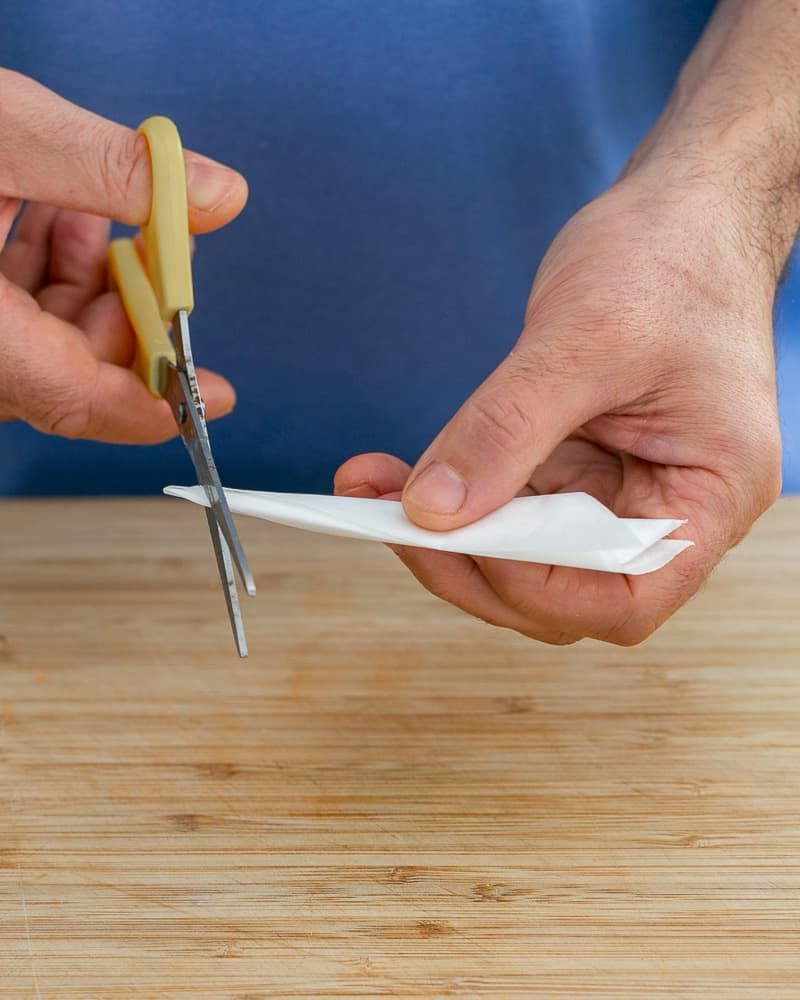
{"type": "Point", "coordinates": [157, 293]}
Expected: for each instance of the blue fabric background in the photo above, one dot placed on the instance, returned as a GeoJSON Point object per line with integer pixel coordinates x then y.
{"type": "Point", "coordinates": [409, 163]}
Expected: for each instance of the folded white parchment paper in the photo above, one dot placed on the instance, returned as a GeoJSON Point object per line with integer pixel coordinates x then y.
{"type": "Point", "coordinates": [562, 529]}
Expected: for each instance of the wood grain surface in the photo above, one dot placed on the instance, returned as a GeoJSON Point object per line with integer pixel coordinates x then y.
{"type": "Point", "coordinates": [387, 799]}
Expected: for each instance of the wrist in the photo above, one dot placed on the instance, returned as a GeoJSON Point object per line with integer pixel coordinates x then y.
{"type": "Point", "coordinates": [731, 128]}
{"type": "Point", "coordinates": [742, 180]}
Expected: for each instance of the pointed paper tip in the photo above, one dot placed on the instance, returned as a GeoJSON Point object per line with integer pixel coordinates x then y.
{"type": "Point", "coordinates": [183, 492]}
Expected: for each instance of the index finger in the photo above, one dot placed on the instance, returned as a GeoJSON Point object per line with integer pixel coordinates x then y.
{"type": "Point", "coordinates": [55, 152]}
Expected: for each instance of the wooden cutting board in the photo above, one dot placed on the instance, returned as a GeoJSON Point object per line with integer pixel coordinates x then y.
{"type": "Point", "coordinates": [387, 799]}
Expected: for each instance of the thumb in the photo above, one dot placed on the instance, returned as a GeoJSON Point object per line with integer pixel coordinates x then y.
{"type": "Point", "coordinates": [490, 448]}
{"type": "Point", "coordinates": [54, 152]}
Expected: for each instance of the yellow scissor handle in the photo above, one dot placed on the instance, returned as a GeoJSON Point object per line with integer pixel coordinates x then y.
{"type": "Point", "coordinates": [166, 232]}
{"type": "Point", "coordinates": [153, 346]}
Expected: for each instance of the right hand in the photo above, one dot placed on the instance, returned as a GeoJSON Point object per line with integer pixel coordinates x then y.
{"type": "Point", "coordinates": [644, 376]}
{"type": "Point", "coordinates": [66, 347]}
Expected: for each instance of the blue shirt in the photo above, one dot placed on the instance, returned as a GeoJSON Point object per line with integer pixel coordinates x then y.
{"type": "Point", "coordinates": [409, 164]}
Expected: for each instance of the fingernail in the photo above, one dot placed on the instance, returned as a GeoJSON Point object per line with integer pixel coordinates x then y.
{"type": "Point", "coordinates": [438, 489]}
{"type": "Point", "coordinates": [209, 184]}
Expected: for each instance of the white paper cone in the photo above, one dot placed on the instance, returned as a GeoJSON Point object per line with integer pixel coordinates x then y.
{"type": "Point", "coordinates": [563, 529]}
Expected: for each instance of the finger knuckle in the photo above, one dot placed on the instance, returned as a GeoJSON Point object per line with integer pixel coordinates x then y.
{"type": "Point", "coordinates": [516, 599]}
{"type": "Point", "coordinates": [67, 414]}
{"type": "Point", "coordinates": [502, 419]}
{"type": "Point", "coordinates": [449, 586]}
{"type": "Point", "coordinates": [533, 592]}
{"type": "Point", "coordinates": [518, 585]}
{"type": "Point", "coordinates": [636, 629]}
{"type": "Point", "coordinates": [122, 160]}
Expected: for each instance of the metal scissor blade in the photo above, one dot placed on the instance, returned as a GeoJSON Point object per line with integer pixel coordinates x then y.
{"type": "Point", "coordinates": [193, 432]}
{"type": "Point", "coordinates": [225, 567]}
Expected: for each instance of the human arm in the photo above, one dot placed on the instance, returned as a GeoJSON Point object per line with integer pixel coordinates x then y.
{"type": "Point", "coordinates": [644, 374]}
